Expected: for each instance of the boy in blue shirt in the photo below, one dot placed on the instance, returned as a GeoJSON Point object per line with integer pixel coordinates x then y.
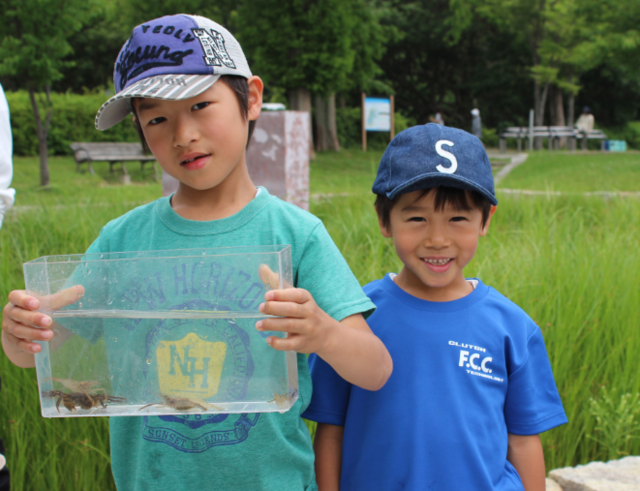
{"type": "Point", "coordinates": [472, 386]}
{"type": "Point", "coordinates": [194, 101]}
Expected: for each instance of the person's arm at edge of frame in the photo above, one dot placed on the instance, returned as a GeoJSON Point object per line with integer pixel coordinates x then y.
{"type": "Point", "coordinates": [349, 346]}
{"type": "Point", "coordinates": [7, 194]}
{"type": "Point", "coordinates": [327, 446]}
{"type": "Point", "coordinates": [526, 455]}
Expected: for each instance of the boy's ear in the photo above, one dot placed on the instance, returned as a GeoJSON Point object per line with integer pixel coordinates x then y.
{"type": "Point", "coordinates": [485, 228]}
{"type": "Point", "coordinates": [255, 97]}
{"type": "Point", "coordinates": [384, 230]}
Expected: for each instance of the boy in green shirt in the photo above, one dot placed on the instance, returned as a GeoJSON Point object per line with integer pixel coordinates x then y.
{"type": "Point", "coordinates": [194, 101]}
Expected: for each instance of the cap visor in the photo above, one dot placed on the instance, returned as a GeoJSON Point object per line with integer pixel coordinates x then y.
{"type": "Point", "coordinates": [432, 180]}
{"type": "Point", "coordinates": [166, 87]}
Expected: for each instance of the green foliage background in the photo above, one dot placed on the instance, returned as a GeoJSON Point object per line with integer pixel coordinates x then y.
{"type": "Point", "coordinates": [455, 54]}
{"type": "Point", "coordinates": [73, 120]}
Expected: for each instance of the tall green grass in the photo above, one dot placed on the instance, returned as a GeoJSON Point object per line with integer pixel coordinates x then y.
{"type": "Point", "coordinates": [570, 262]}
{"type": "Point", "coordinates": [48, 454]}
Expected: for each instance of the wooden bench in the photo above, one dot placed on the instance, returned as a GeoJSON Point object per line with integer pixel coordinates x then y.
{"type": "Point", "coordinates": [513, 132]}
{"type": "Point", "coordinates": [520, 132]}
{"type": "Point", "coordinates": [114, 153]}
{"type": "Point", "coordinates": [592, 135]}
{"type": "Point", "coordinates": [559, 132]}
{"type": "Point", "coordinates": [553, 134]}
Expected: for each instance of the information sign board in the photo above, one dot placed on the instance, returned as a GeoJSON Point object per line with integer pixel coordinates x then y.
{"type": "Point", "coordinates": [377, 114]}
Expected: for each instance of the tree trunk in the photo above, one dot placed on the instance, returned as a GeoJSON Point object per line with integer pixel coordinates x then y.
{"type": "Point", "coordinates": [572, 114]}
{"type": "Point", "coordinates": [300, 100]}
{"type": "Point", "coordinates": [552, 105]}
{"type": "Point", "coordinates": [559, 104]}
{"type": "Point", "coordinates": [332, 123]}
{"type": "Point", "coordinates": [559, 120]}
{"type": "Point", "coordinates": [541, 103]}
{"type": "Point", "coordinates": [325, 117]}
{"type": "Point", "coordinates": [42, 131]}
{"type": "Point", "coordinates": [321, 123]}
{"type": "Point", "coordinates": [540, 98]}
{"type": "Point", "coordinates": [572, 101]}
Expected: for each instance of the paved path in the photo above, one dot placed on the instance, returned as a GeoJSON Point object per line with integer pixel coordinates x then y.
{"type": "Point", "coordinates": [22, 208]}
{"type": "Point", "coordinates": [516, 160]}
{"type": "Point", "coordinates": [603, 194]}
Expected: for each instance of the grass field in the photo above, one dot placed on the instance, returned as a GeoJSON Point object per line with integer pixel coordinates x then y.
{"type": "Point", "coordinates": [569, 261]}
{"type": "Point", "coordinates": [577, 172]}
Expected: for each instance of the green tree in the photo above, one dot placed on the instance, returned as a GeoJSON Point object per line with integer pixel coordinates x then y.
{"type": "Point", "coordinates": [434, 62]}
{"type": "Point", "coordinates": [526, 19]}
{"type": "Point", "coordinates": [135, 12]}
{"type": "Point", "coordinates": [310, 47]}
{"type": "Point", "coordinates": [302, 46]}
{"type": "Point", "coordinates": [95, 48]}
{"type": "Point", "coordinates": [565, 38]}
{"type": "Point", "coordinates": [35, 41]}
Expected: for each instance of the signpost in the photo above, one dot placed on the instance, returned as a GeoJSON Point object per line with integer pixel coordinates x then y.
{"type": "Point", "coordinates": [377, 115]}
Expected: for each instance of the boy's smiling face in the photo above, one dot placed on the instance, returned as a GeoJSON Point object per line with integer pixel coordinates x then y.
{"type": "Point", "coordinates": [434, 245]}
{"type": "Point", "coordinates": [200, 141]}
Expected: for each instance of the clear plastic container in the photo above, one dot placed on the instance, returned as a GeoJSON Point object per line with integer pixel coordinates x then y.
{"type": "Point", "coordinates": [161, 333]}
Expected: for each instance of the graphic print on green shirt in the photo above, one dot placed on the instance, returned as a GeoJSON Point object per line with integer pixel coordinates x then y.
{"type": "Point", "coordinates": [268, 451]}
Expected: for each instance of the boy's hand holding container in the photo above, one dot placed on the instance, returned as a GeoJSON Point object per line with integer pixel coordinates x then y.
{"type": "Point", "coordinates": [22, 325]}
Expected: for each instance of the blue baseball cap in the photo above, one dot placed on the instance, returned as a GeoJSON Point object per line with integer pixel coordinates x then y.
{"type": "Point", "coordinates": [433, 155]}
{"type": "Point", "coordinates": [172, 58]}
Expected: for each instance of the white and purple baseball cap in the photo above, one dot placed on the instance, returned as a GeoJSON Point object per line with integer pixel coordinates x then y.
{"type": "Point", "coordinates": [172, 58]}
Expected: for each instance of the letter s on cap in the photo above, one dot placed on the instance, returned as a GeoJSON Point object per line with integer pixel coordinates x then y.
{"type": "Point", "coordinates": [447, 155]}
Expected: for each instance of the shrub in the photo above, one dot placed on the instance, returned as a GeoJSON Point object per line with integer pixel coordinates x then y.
{"type": "Point", "coordinates": [632, 134]}
{"type": "Point", "coordinates": [72, 120]}
{"type": "Point", "coordinates": [629, 133]}
{"type": "Point", "coordinates": [491, 139]}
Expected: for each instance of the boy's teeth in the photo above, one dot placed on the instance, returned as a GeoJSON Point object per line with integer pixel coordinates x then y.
{"type": "Point", "coordinates": [438, 262]}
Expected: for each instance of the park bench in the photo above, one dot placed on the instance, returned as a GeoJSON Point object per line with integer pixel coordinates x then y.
{"type": "Point", "coordinates": [553, 134]}
{"type": "Point", "coordinates": [513, 132]}
{"type": "Point", "coordinates": [114, 153]}
{"type": "Point", "coordinates": [523, 132]}
{"type": "Point", "coordinates": [559, 132]}
{"type": "Point", "coordinates": [592, 135]}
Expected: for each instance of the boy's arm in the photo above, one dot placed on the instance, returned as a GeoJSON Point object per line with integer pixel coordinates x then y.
{"type": "Point", "coordinates": [525, 454]}
{"type": "Point", "coordinates": [349, 346]}
{"type": "Point", "coordinates": [328, 449]}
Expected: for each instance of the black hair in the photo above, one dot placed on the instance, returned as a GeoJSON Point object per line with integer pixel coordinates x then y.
{"type": "Point", "coordinates": [458, 198]}
{"type": "Point", "coordinates": [240, 88]}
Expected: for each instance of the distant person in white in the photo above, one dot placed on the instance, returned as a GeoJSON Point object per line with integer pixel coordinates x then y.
{"type": "Point", "coordinates": [437, 119]}
{"type": "Point", "coordinates": [6, 150]}
{"type": "Point", "coordinates": [476, 123]}
{"type": "Point", "coordinates": [584, 125]}
{"type": "Point", "coordinates": [585, 121]}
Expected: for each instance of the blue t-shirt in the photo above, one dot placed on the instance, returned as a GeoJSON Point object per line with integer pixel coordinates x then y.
{"type": "Point", "coordinates": [465, 373]}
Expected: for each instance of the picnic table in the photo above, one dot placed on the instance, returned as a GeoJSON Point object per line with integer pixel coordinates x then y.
{"type": "Point", "coordinates": [114, 153]}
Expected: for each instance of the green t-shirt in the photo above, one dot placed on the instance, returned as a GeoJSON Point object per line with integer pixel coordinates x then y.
{"type": "Point", "coordinates": [235, 452]}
